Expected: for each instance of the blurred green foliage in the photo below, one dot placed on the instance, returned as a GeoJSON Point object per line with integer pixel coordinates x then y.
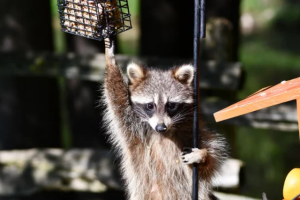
{"type": "Point", "coordinates": [269, 156]}
{"type": "Point", "coordinates": [257, 54]}
{"type": "Point", "coordinates": [270, 54]}
{"type": "Point", "coordinates": [60, 46]}
{"type": "Point", "coordinates": [129, 41]}
{"type": "Point", "coordinates": [289, 14]}
{"type": "Point", "coordinates": [256, 6]}
{"type": "Point", "coordinates": [59, 38]}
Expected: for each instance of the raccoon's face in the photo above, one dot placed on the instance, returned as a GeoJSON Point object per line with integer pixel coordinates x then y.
{"type": "Point", "coordinates": [164, 99]}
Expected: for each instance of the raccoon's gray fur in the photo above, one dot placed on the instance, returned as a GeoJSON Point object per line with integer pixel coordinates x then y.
{"type": "Point", "coordinates": [149, 137]}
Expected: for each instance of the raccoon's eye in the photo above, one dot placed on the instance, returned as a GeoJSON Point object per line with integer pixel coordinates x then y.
{"type": "Point", "coordinates": [172, 106]}
{"type": "Point", "coordinates": [150, 106]}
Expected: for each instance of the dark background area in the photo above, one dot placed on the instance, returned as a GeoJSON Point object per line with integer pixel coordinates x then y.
{"type": "Point", "coordinates": [29, 103]}
{"type": "Point", "coordinates": [30, 115]}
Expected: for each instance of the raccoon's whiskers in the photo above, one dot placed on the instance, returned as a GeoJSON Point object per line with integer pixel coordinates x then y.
{"type": "Point", "coordinates": [182, 115]}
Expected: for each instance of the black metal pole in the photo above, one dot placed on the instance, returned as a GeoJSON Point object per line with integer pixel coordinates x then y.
{"type": "Point", "coordinates": [199, 31]}
{"type": "Point", "coordinates": [202, 19]}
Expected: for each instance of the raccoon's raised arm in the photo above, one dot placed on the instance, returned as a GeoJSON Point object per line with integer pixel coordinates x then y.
{"type": "Point", "coordinates": [110, 52]}
{"type": "Point", "coordinates": [115, 87]}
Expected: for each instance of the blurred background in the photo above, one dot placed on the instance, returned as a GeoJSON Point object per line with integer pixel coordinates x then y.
{"type": "Point", "coordinates": [52, 142]}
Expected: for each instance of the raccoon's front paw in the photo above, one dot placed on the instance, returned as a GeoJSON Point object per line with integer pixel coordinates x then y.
{"type": "Point", "coordinates": [193, 155]}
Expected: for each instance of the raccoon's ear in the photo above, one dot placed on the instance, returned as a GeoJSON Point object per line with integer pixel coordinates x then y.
{"type": "Point", "coordinates": [184, 74]}
{"type": "Point", "coordinates": [136, 73]}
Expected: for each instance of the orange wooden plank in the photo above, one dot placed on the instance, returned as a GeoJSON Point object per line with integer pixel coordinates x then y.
{"type": "Point", "coordinates": [280, 93]}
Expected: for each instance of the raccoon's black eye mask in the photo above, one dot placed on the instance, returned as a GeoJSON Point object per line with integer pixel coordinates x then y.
{"type": "Point", "coordinates": [149, 108]}
{"type": "Point", "coordinates": [172, 108]}
{"type": "Point", "coordinates": [145, 110]}
{"type": "Point", "coordinates": [175, 108]}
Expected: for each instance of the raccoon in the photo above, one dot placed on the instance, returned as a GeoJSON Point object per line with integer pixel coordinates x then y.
{"type": "Point", "coordinates": [149, 119]}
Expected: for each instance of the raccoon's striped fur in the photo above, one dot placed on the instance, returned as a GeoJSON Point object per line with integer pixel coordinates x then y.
{"type": "Point", "coordinates": [149, 120]}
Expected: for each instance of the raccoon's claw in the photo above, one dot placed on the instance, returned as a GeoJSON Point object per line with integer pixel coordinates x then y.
{"type": "Point", "coordinates": [187, 150]}
{"type": "Point", "coordinates": [193, 155]}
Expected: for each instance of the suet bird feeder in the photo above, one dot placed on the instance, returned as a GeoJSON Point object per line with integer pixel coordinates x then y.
{"type": "Point", "coordinates": [94, 19]}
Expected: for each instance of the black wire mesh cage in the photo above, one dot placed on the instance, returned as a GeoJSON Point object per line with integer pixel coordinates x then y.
{"type": "Point", "coordinates": [94, 19]}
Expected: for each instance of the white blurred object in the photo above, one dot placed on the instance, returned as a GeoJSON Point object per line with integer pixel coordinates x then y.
{"type": "Point", "coordinates": [223, 196]}
{"type": "Point", "coordinates": [229, 175]}
{"type": "Point", "coordinates": [247, 23]}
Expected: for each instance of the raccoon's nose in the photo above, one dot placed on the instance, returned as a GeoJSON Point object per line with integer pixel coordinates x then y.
{"type": "Point", "coordinates": [161, 128]}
